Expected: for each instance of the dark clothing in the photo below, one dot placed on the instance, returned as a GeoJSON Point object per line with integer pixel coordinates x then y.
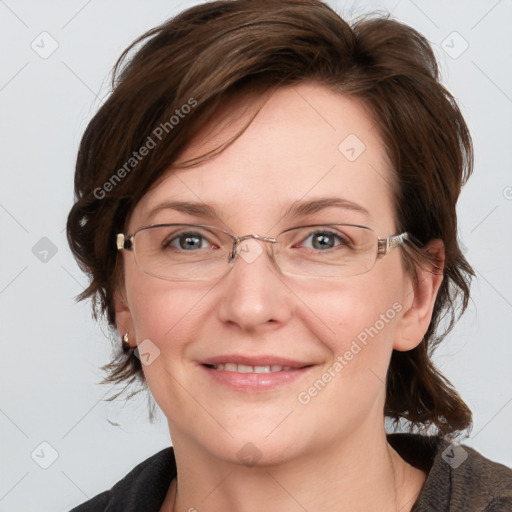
{"type": "Point", "coordinates": [454, 483]}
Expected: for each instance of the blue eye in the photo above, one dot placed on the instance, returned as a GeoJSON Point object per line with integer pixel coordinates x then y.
{"type": "Point", "coordinates": [186, 241]}
{"type": "Point", "coordinates": [324, 240]}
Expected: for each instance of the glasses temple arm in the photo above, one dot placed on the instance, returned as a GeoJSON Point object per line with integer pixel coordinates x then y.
{"type": "Point", "coordinates": [386, 244]}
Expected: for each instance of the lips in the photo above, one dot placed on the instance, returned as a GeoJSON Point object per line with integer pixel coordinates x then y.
{"type": "Point", "coordinates": [254, 374]}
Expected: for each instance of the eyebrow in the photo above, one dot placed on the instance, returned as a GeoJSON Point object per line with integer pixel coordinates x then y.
{"type": "Point", "coordinates": [303, 208]}
{"type": "Point", "coordinates": [296, 209]}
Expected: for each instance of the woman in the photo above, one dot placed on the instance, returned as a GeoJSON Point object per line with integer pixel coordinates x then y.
{"type": "Point", "coordinates": [266, 205]}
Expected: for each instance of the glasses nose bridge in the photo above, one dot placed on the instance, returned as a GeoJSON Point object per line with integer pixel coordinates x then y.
{"type": "Point", "coordinates": [238, 239]}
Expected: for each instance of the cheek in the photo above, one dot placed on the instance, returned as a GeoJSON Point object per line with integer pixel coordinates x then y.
{"type": "Point", "coordinates": [356, 320]}
{"type": "Point", "coordinates": [171, 318]}
{"type": "Point", "coordinates": [165, 312]}
{"type": "Point", "coordinates": [358, 328]}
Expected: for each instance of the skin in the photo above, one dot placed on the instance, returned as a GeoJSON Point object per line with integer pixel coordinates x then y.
{"type": "Point", "coordinates": [336, 443]}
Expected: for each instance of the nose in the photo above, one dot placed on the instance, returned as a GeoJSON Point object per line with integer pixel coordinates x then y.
{"type": "Point", "coordinates": [253, 292]}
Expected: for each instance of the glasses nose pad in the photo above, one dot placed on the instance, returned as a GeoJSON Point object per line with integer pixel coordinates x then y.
{"type": "Point", "coordinates": [249, 248]}
{"type": "Point", "coordinates": [232, 254]}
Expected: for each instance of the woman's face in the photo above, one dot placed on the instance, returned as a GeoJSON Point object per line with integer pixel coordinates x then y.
{"type": "Point", "coordinates": [305, 144]}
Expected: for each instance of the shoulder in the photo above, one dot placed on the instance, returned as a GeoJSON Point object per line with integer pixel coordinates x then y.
{"type": "Point", "coordinates": [476, 480]}
{"type": "Point", "coordinates": [459, 478]}
{"type": "Point", "coordinates": [146, 484]}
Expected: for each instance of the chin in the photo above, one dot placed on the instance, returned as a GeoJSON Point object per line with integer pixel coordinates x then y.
{"type": "Point", "coordinates": [256, 444]}
{"type": "Point", "coordinates": [258, 452]}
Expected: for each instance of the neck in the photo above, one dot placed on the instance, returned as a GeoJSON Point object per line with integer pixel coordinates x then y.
{"type": "Point", "coordinates": [360, 474]}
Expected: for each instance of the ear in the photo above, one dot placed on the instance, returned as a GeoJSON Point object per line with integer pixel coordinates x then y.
{"type": "Point", "coordinates": [124, 320]}
{"type": "Point", "coordinates": [419, 299]}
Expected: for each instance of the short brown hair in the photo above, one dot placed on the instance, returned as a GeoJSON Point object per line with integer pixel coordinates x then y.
{"type": "Point", "coordinates": [215, 50]}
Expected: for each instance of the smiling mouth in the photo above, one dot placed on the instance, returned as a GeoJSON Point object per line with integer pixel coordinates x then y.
{"type": "Point", "coordinates": [243, 368]}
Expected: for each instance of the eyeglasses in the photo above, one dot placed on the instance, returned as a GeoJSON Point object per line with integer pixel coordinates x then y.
{"type": "Point", "coordinates": [191, 252]}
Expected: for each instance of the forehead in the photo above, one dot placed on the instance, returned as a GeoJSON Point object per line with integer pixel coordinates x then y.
{"type": "Point", "coordinates": [305, 143]}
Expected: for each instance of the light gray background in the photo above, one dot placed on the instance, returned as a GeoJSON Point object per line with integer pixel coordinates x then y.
{"type": "Point", "coordinates": [51, 349]}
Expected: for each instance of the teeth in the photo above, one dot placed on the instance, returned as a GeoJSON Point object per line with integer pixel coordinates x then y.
{"type": "Point", "coordinates": [262, 369]}
{"type": "Point", "coordinates": [243, 368]}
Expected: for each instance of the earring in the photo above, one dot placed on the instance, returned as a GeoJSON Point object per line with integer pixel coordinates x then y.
{"type": "Point", "coordinates": [126, 345]}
